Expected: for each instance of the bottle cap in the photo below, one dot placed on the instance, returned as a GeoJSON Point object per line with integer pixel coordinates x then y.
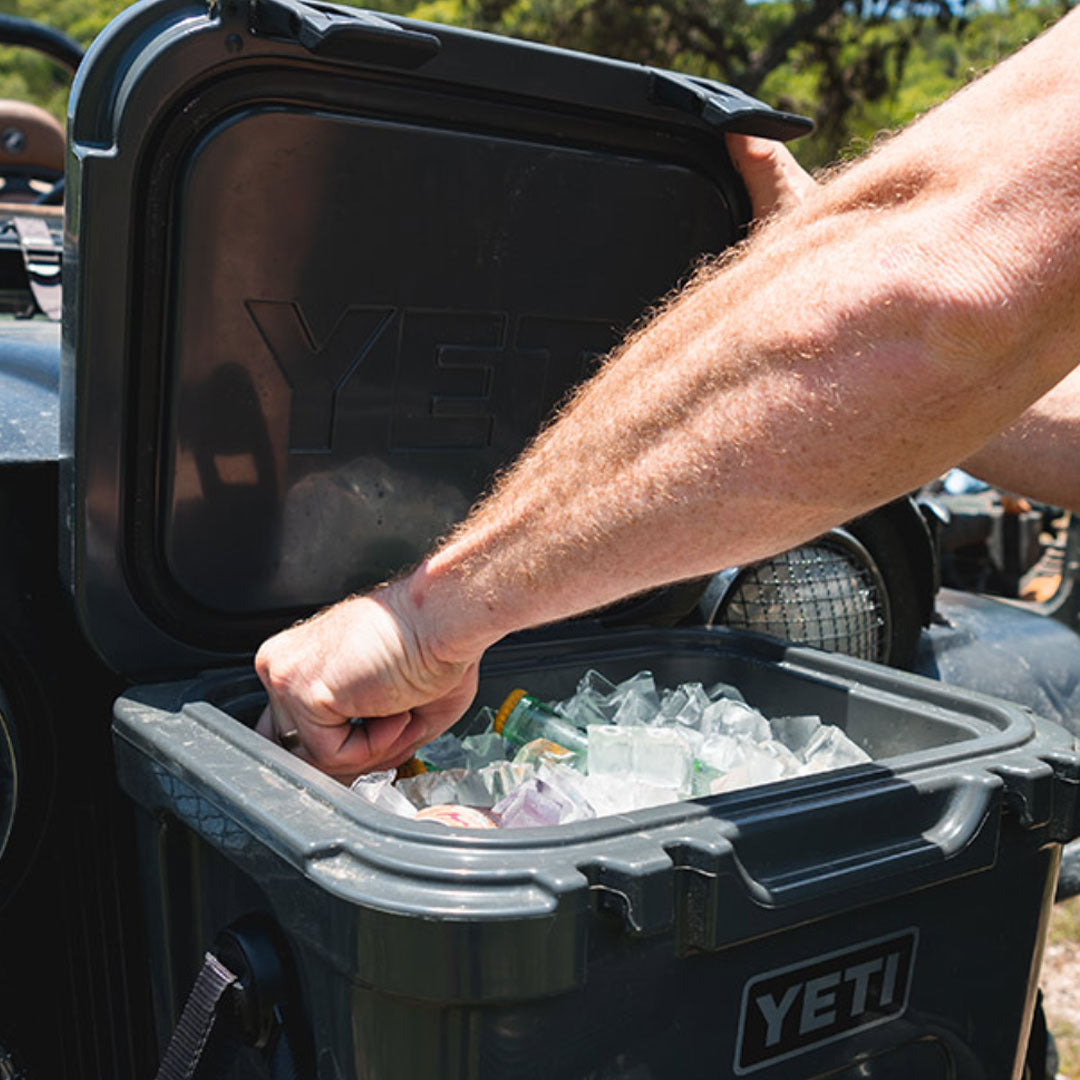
{"type": "Point", "coordinates": [506, 708]}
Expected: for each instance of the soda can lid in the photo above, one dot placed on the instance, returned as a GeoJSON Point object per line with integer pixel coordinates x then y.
{"type": "Point", "coordinates": [462, 817]}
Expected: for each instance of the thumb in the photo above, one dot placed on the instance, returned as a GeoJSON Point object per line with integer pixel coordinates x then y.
{"type": "Point", "coordinates": [773, 178]}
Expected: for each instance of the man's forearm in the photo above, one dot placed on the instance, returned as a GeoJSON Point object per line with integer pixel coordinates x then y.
{"type": "Point", "coordinates": [1039, 455]}
{"type": "Point", "coordinates": [765, 405]}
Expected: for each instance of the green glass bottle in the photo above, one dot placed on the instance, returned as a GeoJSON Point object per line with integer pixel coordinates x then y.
{"type": "Point", "coordinates": [522, 718]}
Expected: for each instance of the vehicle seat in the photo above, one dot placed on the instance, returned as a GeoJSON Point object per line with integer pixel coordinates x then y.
{"type": "Point", "coordinates": [31, 151]}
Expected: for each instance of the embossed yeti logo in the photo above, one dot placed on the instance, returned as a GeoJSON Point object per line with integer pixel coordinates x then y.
{"type": "Point", "coordinates": [441, 367]}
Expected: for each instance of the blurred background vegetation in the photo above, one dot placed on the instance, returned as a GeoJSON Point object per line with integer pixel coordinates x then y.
{"type": "Point", "coordinates": [856, 66]}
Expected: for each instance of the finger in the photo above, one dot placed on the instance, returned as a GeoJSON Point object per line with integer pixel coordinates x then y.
{"type": "Point", "coordinates": [356, 747]}
{"type": "Point", "coordinates": [274, 725]}
{"type": "Point", "coordinates": [773, 178]}
{"type": "Point", "coordinates": [347, 774]}
{"type": "Point", "coordinates": [265, 724]}
{"type": "Point", "coordinates": [411, 739]}
{"type": "Point", "coordinates": [429, 721]}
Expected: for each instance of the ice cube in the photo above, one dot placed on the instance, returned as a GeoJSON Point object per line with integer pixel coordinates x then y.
{"type": "Point", "coordinates": [471, 789]}
{"type": "Point", "coordinates": [691, 736]}
{"type": "Point", "coordinates": [592, 682]}
{"type": "Point", "coordinates": [591, 702]}
{"type": "Point", "coordinates": [481, 750]}
{"type": "Point", "coordinates": [445, 752]}
{"type": "Point", "coordinates": [378, 789]}
{"type": "Point", "coordinates": [620, 795]}
{"type": "Point", "coordinates": [697, 701]}
{"type": "Point", "coordinates": [795, 732]}
{"type": "Point", "coordinates": [481, 722]}
{"type": "Point", "coordinates": [720, 690]}
{"type": "Point", "coordinates": [789, 762]}
{"type": "Point", "coordinates": [610, 750]}
{"type": "Point", "coordinates": [735, 718]}
{"type": "Point", "coordinates": [661, 757]}
{"type": "Point", "coordinates": [500, 778]}
{"type": "Point", "coordinates": [641, 686]}
{"type": "Point", "coordinates": [571, 784]}
{"type": "Point", "coordinates": [684, 705]}
{"type": "Point", "coordinates": [672, 703]}
{"type": "Point", "coordinates": [635, 710]}
{"type": "Point", "coordinates": [830, 748]}
{"type": "Point", "coordinates": [372, 780]}
{"type": "Point", "coordinates": [721, 752]}
{"type": "Point", "coordinates": [758, 769]}
{"type": "Point", "coordinates": [536, 803]}
{"type": "Point", "coordinates": [432, 788]}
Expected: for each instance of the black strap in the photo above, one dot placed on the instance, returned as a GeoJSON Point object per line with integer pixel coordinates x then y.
{"type": "Point", "coordinates": [41, 256]}
{"type": "Point", "coordinates": [192, 1033]}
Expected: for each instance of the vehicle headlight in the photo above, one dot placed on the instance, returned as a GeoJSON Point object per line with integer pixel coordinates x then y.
{"type": "Point", "coordinates": [828, 593]}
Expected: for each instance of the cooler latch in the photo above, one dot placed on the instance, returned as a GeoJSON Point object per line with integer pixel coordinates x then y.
{"type": "Point", "coordinates": [725, 107]}
{"type": "Point", "coordinates": [355, 37]}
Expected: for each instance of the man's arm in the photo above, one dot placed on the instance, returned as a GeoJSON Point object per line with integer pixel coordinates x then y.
{"type": "Point", "coordinates": [1039, 455]}
{"type": "Point", "coordinates": [809, 379]}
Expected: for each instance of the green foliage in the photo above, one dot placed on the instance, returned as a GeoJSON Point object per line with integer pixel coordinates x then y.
{"type": "Point", "coordinates": [924, 63]}
{"type": "Point", "coordinates": [82, 20]}
{"type": "Point", "coordinates": [28, 76]}
{"type": "Point", "coordinates": [857, 66]}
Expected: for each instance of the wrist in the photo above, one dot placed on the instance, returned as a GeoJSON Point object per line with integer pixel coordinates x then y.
{"type": "Point", "coordinates": [438, 600]}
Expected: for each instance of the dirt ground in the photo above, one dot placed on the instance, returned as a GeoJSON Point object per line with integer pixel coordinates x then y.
{"type": "Point", "coordinates": [1061, 985]}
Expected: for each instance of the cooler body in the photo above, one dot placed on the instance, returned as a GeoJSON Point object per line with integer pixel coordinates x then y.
{"type": "Point", "coordinates": [883, 920]}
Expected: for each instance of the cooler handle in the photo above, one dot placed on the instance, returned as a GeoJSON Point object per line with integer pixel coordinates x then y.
{"type": "Point", "coordinates": [357, 37]}
{"type": "Point", "coordinates": [747, 872]}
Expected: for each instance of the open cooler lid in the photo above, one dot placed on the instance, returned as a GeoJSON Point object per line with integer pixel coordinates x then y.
{"type": "Point", "coordinates": [325, 272]}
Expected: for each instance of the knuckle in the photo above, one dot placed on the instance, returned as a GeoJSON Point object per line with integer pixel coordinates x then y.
{"type": "Point", "coordinates": [280, 679]}
{"type": "Point", "coordinates": [321, 698]}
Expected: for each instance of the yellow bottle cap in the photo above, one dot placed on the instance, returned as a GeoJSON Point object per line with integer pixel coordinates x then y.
{"type": "Point", "coordinates": [506, 708]}
{"type": "Point", "coordinates": [413, 767]}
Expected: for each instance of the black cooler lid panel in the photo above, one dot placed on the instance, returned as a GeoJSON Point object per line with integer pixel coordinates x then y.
{"type": "Point", "coordinates": [325, 273]}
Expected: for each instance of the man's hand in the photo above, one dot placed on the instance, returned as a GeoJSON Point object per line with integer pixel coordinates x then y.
{"type": "Point", "coordinates": [774, 179]}
{"type": "Point", "coordinates": [357, 688]}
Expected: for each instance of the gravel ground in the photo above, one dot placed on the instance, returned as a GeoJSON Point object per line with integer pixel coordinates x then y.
{"type": "Point", "coordinates": [1060, 981]}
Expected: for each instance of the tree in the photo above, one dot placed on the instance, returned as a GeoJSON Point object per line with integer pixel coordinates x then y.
{"type": "Point", "coordinates": [28, 76]}
{"type": "Point", "coordinates": [843, 62]}
{"type": "Point", "coordinates": [855, 66]}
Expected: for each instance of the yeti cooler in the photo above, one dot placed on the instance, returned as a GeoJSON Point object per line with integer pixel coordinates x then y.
{"type": "Point", "coordinates": [326, 271]}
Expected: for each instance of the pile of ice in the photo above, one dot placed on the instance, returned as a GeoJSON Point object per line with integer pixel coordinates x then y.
{"type": "Point", "coordinates": [646, 747]}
